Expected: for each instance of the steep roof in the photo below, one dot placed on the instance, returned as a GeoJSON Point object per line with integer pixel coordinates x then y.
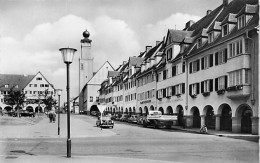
{"type": "Point", "coordinates": [112, 73]}
{"type": "Point", "coordinates": [135, 61]}
{"type": "Point", "coordinates": [12, 80]}
{"type": "Point", "coordinates": [178, 35]}
{"type": "Point", "coordinates": [233, 7]}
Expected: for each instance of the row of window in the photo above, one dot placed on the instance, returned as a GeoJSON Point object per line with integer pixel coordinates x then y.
{"type": "Point", "coordinates": [175, 90]}
{"type": "Point", "coordinates": [171, 72]}
{"type": "Point", "coordinates": [7, 86]}
{"type": "Point", "coordinates": [130, 97]}
{"type": "Point", "coordinates": [227, 28]}
{"type": "Point", "coordinates": [130, 85]}
{"type": "Point", "coordinates": [29, 92]}
{"type": "Point", "coordinates": [41, 85]}
{"type": "Point", "coordinates": [146, 79]}
{"type": "Point", "coordinates": [235, 78]}
{"type": "Point", "coordinates": [38, 92]}
{"type": "Point", "coordinates": [146, 95]}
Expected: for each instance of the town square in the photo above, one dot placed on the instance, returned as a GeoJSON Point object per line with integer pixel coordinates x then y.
{"type": "Point", "coordinates": [129, 81]}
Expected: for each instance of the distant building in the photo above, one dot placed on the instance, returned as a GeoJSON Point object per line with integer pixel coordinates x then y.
{"type": "Point", "coordinates": [89, 81]}
{"type": "Point", "coordinates": [34, 86]}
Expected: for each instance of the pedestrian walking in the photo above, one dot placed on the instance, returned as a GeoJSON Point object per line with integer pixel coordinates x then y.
{"type": "Point", "coordinates": [50, 117]}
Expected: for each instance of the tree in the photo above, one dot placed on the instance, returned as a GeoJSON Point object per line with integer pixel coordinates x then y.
{"type": "Point", "coordinates": [15, 97]}
{"type": "Point", "coordinates": [49, 102]}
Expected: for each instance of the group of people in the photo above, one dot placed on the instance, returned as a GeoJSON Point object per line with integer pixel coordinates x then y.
{"type": "Point", "coordinates": [52, 116]}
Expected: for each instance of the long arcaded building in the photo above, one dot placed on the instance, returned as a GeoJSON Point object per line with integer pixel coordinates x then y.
{"type": "Point", "coordinates": [207, 73]}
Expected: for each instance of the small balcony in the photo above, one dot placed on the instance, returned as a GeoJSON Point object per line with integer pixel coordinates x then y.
{"type": "Point", "coordinates": [238, 91]}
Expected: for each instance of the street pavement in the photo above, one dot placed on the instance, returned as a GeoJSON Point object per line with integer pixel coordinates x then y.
{"type": "Point", "coordinates": [37, 128]}
{"type": "Point", "coordinates": [41, 127]}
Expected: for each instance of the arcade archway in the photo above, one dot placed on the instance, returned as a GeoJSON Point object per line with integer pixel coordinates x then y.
{"type": "Point", "coordinates": [196, 117]}
{"type": "Point", "coordinates": [161, 110]}
{"type": "Point", "coordinates": [169, 110]}
{"type": "Point", "coordinates": [226, 118]}
{"type": "Point", "coordinates": [246, 113]}
{"type": "Point", "coordinates": [210, 119]}
{"type": "Point", "coordinates": [29, 108]}
{"type": "Point", "coordinates": [180, 115]}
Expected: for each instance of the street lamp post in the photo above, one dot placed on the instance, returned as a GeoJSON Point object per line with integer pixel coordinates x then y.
{"type": "Point", "coordinates": [59, 93]}
{"type": "Point", "coordinates": [68, 54]}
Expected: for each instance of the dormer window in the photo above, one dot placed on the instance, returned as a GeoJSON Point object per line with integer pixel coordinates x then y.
{"type": "Point", "coordinates": [6, 86]}
{"type": "Point", "coordinates": [211, 37]}
{"type": "Point", "coordinates": [224, 30]}
{"type": "Point", "coordinates": [16, 86]}
{"type": "Point", "coordinates": [199, 42]}
{"type": "Point", "coordinates": [241, 21]}
{"type": "Point", "coordinates": [169, 54]}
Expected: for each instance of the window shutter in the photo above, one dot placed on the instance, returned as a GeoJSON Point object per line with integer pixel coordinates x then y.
{"type": "Point", "coordinates": [226, 82]}
{"type": "Point", "coordinates": [198, 88]}
{"type": "Point", "coordinates": [216, 84]}
{"type": "Point", "coordinates": [211, 85]}
{"type": "Point", "coordinates": [183, 88]}
{"type": "Point", "coordinates": [225, 55]}
{"type": "Point", "coordinates": [210, 60]}
{"type": "Point", "coordinates": [183, 67]}
{"type": "Point", "coordinates": [190, 67]}
{"type": "Point", "coordinates": [216, 58]}
{"type": "Point", "coordinates": [198, 65]}
{"type": "Point", "coordinates": [174, 71]}
{"type": "Point", "coordinates": [164, 92]}
{"type": "Point", "coordinates": [202, 63]}
{"type": "Point", "coordinates": [164, 74]}
{"type": "Point", "coordinates": [190, 89]}
{"type": "Point", "coordinates": [173, 90]}
{"type": "Point", "coordinates": [202, 87]}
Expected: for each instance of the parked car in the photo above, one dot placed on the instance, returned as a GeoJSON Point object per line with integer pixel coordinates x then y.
{"type": "Point", "coordinates": [106, 122]}
{"type": "Point", "coordinates": [12, 113]}
{"type": "Point", "coordinates": [124, 118]}
{"type": "Point", "coordinates": [117, 118]}
{"type": "Point", "coordinates": [94, 113]}
{"type": "Point", "coordinates": [132, 119]}
{"type": "Point", "coordinates": [26, 113]}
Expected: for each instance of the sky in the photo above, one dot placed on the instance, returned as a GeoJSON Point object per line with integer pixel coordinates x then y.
{"type": "Point", "coordinates": [33, 31]}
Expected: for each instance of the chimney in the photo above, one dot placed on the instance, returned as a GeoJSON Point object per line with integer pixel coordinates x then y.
{"type": "Point", "coordinates": [148, 48]}
{"type": "Point", "coordinates": [208, 12]}
{"type": "Point", "coordinates": [157, 42]}
{"type": "Point", "coordinates": [189, 24]}
{"type": "Point", "coordinates": [226, 2]}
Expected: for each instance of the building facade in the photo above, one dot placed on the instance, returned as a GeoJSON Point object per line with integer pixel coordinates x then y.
{"type": "Point", "coordinates": [35, 88]}
{"type": "Point", "coordinates": [207, 73]}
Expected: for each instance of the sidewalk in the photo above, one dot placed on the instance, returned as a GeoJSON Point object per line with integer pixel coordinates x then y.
{"type": "Point", "coordinates": [77, 159]}
{"type": "Point", "coordinates": [220, 133]}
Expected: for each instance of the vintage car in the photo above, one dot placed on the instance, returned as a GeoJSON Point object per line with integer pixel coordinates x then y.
{"type": "Point", "coordinates": [26, 113]}
{"type": "Point", "coordinates": [124, 118]}
{"type": "Point", "coordinates": [132, 119]}
{"type": "Point", "coordinates": [105, 122]}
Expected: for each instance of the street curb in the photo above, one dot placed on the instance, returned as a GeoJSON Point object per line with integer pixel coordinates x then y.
{"type": "Point", "coordinates": [221, 135]}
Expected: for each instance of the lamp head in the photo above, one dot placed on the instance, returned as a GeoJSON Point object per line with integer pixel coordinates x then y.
{"type": "Point", "coordinates": [67, 54]}
{"type": "Point", "coordinates": [58, 91]}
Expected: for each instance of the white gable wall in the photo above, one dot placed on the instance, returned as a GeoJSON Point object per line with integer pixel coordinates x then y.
{"type": "Point", "coordinates": [93, 86]}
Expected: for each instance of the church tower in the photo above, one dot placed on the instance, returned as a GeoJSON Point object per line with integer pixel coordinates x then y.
{"type": "Point", "coordinates": [85, 61]}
